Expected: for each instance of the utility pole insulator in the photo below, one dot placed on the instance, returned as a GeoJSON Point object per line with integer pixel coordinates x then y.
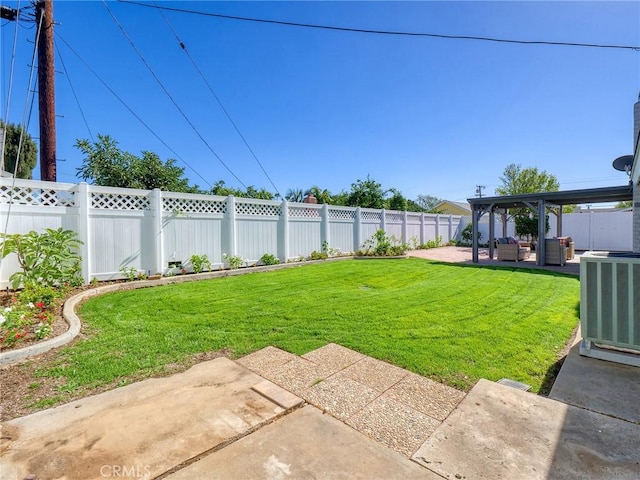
{"type": "Point", "coordinates": [46, 90]}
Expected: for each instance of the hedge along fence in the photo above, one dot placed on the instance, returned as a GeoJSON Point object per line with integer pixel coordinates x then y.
{"type": "Point", "coordinates": [148, 229]}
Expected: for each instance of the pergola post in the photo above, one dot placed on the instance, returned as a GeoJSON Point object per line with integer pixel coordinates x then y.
{"type": "Point", "coordinates": [474, 235]}
{"type": "Point", "coordinates": [540, 249]}
{"type": "Point", "coordinates": [492, 218]}
{"type": "Point", "coordinates": [559, 222]}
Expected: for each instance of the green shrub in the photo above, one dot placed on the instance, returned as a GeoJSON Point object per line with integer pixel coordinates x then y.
{"type": "Point", "coordinates": [315, 255]}
{"type": "Point", "coordinates": [50, 258]}
{"type": "Point", "coordinates": [234, 261]}
{"type": "Point", "coordinates": [200, 263]}
{"type": "Point", "coordinates": [467, 233]}
{"type": "Point", "coordinates": [381, 245]}
{"type": "Point", "coordinates": [269, 259]}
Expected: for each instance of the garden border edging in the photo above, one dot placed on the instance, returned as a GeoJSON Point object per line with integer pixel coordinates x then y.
{"type": "Point", "coordinates": [69, 309]}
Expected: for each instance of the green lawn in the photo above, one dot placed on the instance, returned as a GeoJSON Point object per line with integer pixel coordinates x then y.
{"type": "Point", "coordinates": [452, 323]}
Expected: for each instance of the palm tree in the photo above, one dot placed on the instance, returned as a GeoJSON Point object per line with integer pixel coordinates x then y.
{"type": "Point", "coordinates": [294, 195]}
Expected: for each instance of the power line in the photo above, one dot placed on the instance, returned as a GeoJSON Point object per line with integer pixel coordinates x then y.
{"type": "Point", "coordinates": [164, 89]}
{"type": "Point", "coordinates": [184, 48]}
{"type": "Point", "coordinates": [385, 32]}
{"type": "Point", "coordinates": [74, 93]}
{"type": "Point", "coordinates": [125, 105]}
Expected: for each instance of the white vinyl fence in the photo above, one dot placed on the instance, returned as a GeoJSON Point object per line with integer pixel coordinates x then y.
{"type": "Point", "coordinates": [591, 230]}
{"type": "Point", "coordinates": [148, 229]}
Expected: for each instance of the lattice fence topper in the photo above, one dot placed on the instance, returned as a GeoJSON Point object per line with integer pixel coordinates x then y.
{"type": "Point", "coordinates": [340, 214]}
{"type": "Point", "coordinates": [304, 212]}
{"type": "Point", "coordinates": [258, 209]}
{"type": "Point", "coordinates": [192, 205]}
{"type": "Point", "coordinates": [111, 201]}
{"type": "Point", "coordinates": [394, 217]}
{"type": "Point", "coordinates": [371, 215]}
{"type": "Point", "coordinates": [36, 196]}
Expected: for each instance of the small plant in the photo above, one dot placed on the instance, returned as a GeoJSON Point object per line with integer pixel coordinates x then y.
{"type": "Point", "coordinates": [315, 255]}
{"type": "Point", "coordinates": [130, 273]}
{"type": "Point", "coordinates": [200, 263]}
{"type": "Point", "coordinates": [381, 245]}
{"type": "Point", "coordinates": [330, 251]}
{"type": "Point", "coordinates": [49, 258]}
{"type": "Point", "coordinates": [94, 282]}
{"type": "Point", "coordinates": [269, 259]}
{"type": "Point", "coordinates": [436, 243]}
{"type": "Point", "coordinates": [234, 261]}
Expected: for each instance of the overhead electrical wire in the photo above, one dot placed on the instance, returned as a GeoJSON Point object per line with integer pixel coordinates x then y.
{"type": "Point", "coordinates": [385, 32]}
{"type": "Point", "coordinates": [66, 73]}
{"type": "Point", "coordinates": [22, 133]}
{"type": "Point", "coordinates": [10, 88]}
{"type": "Point", "coordinates": [125, 105]}
{"type": "Point", "coordinates": [204, 79]}
{"type": "Point", "coordinates": [164, 89]}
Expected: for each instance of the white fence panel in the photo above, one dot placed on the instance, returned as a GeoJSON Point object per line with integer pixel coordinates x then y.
{"type": "Point", "coordinates": [256, 237]}
{"type": "Point", "coordinates": [342, 228]}
{"type": "Point", "coordinates": [304, 234]}
{"type": "Point", "coordinates": [116, 242]}
{"type": "Point", "coordinates": [610, 231]}
{"type": "Point", "coordinates": [193, 235]}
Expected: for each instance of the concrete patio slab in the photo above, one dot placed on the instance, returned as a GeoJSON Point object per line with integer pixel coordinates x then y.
{"type": "Point", "coordinates": [144, 429]}
{"type": "Point", "coordinates": [498, 432]}
{"type": "Point", "coordinates": [425, 395]}
{"type": "Point", "coordinates": [374, 374]}
{"type": "Point", "coordinates": [394, 424]}
{"type": "Point", "coordinates": [305, 444]}
{"type": "Point", "coordinates": [341, 397]}
{"type": "Point", "coordinates": [334, 357]}
{"type": "Point", "coordinates": [600, 386]}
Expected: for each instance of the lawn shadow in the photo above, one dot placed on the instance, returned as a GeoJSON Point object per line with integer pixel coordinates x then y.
{"type": "Point", "coordinates": [524, 269]}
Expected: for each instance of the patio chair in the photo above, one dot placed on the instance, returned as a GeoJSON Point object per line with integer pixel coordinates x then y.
{"type": "Point", "coordinates": [555, 252]}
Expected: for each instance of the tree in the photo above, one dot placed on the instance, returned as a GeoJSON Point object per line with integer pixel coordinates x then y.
{"type": "Point", "coordinates": [219, 188]}
{"type": "Point", "coordinates": [105, 164]}
{"type": "Point", "coordinates": [323, 196]}
{"type": "Point", "coordinates": [28, 151]}
{"type": "Point", "coordinates": [366, 193]}
{"type": "Point", "coordinates": [517, 180]}
{"type": "Point", "coordinates": [428, 202]}
{"type": "Point", "coordinates": [294, 195]}
{"type": "Point", "coordinates": [627, 204]}
{"type": "Point", "coordinates": [397, 201]}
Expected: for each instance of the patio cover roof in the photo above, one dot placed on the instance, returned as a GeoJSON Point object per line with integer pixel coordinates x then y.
{"type": "Point", "coordinates": [541, 200]}
{"type": "Point", "coordinates": [567, 197]}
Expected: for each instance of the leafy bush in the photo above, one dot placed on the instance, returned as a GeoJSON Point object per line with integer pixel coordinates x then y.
{"type": "Point", "coordinates": [467, 233]}
{"type": "Point", "coordinates": [315, 255]}
{"type": "Point", "coordinates": [381, 245]}
{"type": "Point", "coordinates": [269, 259]}
{"type": "Point", "coordinates": [200, 263]}
{"type": "Point", "coordinates": [50, 258]}
{"type": "Point", "coordinates": [130, 273]}
{"type": "Point", "coordinates": [234, 261]}
{"type": "Point", "coordinates": [436, 243]}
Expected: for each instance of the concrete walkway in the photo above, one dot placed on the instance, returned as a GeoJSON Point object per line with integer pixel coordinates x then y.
{"type": "Point", "coordinates": [364, 419]}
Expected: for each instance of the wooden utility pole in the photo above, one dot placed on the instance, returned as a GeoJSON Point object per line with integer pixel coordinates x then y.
{"type": "Point", "coordinates": [46, 94]}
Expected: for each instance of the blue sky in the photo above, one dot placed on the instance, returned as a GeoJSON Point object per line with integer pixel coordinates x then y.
{"type": "Point", "coordinates": [423, 115]}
